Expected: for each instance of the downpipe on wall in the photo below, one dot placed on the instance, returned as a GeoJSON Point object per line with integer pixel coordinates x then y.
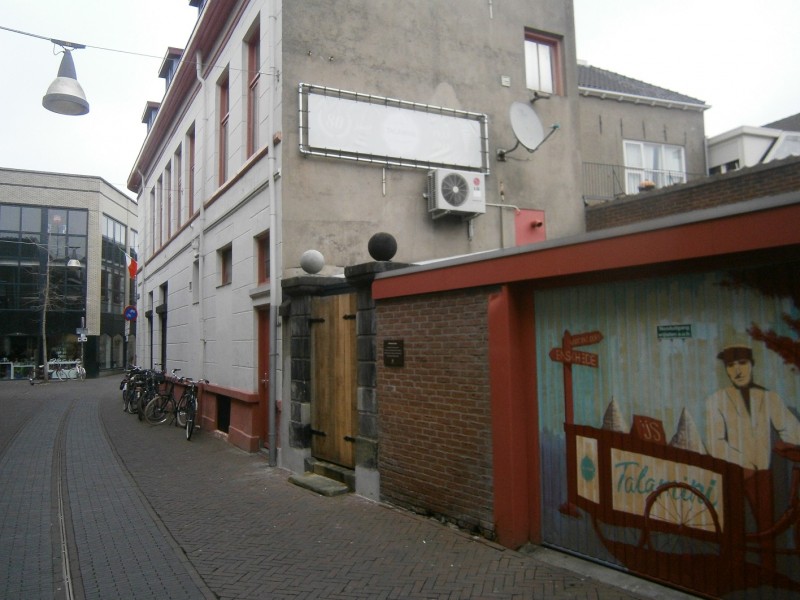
{"type": "Point", "coordinates": [275, 241]}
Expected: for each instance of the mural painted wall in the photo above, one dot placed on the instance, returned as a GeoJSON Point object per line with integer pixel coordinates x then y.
{"type": "Point", "coordinates": [669, 412]}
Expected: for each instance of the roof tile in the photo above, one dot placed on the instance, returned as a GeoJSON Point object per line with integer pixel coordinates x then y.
{"type": "Point", "coordinates": [600, 79]}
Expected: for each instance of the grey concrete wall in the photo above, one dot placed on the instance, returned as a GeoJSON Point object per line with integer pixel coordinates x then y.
{"type": "Point", "coordinates": [438, 52]}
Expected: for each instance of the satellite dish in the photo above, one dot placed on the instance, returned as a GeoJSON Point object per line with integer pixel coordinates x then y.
{"type": "Point", "coordinates": [527, 128]}
{"type": "Point", "coordinates": [526, 125]}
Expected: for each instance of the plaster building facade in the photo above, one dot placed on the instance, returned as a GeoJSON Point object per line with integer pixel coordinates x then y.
{"type": "Point", "coordinates": [46, 219]}
{"type": "Point", "coordinates": [275, 138]}
{"type": "Point", "coordinates": [243, 170]}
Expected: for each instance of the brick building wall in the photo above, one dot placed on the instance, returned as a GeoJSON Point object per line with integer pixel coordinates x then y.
{"type": "Point", "coordinates": [768, 179]}
{"type": "Point", "coordinates": [434, 413]}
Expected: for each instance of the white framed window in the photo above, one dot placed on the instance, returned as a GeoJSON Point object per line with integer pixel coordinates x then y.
{"type": "Point", "coordinates": [543, 63]}
{"type": "Point", "coordinates": [649, 165]}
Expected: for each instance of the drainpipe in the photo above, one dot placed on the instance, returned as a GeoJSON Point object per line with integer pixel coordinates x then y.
{"type": "Point", "coordinates": [276, 243]}
{"type": "Point", "coordinates": [142, 270]}
{"type": "Point", "coordinates": [202, 218]}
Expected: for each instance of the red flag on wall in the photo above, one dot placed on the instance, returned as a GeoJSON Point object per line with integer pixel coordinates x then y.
{"type": "Point", "coordinates": [133, 266]}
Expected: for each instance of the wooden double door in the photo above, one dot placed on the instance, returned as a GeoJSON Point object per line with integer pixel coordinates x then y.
{"type": "Point", "coordinates": [334, 414]}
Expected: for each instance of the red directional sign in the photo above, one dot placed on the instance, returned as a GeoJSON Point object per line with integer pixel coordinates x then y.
{"type": "Point", "coordinates": [585, 339]}
{"type": "Point", "coordinates": [575, 357]}
{"type": "Point", "coordinates": [567, 356]}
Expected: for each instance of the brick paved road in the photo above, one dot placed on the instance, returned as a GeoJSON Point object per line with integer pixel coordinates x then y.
{"type": "Point", "coordinates": [149, 515]}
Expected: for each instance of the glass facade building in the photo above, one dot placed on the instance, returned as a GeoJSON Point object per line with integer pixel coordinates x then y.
{"type": "Point", "coordinates": [64, 282]}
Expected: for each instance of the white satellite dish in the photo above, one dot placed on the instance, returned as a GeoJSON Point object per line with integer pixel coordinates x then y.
{"type": "Point", "coordinates": [527, 128]}
{"type": "Point", "coordinates": [526, 125]}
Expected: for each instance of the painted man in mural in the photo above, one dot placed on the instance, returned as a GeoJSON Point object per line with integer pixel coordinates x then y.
{"type": "Point", "coordinates": [740, 420]}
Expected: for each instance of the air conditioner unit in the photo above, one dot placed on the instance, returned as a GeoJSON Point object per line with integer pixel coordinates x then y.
{"type": "Point", "coordinates": [453, 192]}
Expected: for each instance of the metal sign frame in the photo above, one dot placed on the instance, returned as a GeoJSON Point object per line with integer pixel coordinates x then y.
{"type": "Point", "coordinates": [363, 127]}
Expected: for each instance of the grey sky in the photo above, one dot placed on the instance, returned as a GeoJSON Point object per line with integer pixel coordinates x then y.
{"type": "Point", "coordinates": [741, 61]}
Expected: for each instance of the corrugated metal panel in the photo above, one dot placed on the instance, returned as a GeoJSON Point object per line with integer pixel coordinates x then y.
{"type": "Point", "coordinates": [657, 359]}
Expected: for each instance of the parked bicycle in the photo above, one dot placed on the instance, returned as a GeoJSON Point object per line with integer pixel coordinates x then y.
{"type": "Point", "coordinates": [156, 384]}
{"type": "Point", "coordinates": [131, 386]}
{"type": "Point", "coordinates": [57, 372]}
{"type": "Point", "coordinates": [63, 372]}
{"type": "Point", "coordinates": [181, 412]}
{"type": "Point", "coordinates": [191, 406]}
{"type": "Point", "coordinates": [159, 408]}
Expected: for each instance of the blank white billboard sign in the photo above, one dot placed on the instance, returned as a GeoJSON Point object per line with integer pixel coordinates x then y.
{"type": "Point", "coordinates": [355, 126]}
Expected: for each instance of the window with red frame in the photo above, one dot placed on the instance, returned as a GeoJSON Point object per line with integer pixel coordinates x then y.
{"type": "Point", "coordinates": [224, 116]}
{"type": "Point", "coordinates": [543, 63]}
{"type": "Point", "coordinates": [263, 258]}
{"type": "Point", "coordinates": [253, 65]}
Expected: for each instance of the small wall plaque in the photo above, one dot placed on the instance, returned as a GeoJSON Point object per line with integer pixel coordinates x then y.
{"type": "Point", "coordinates": [674, 331]}
{"type": "Point", "coordinates": [394, 354]}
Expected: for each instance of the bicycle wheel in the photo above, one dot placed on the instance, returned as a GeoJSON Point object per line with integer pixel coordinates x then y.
{"type": "Point", "coordinates": [129, 398]}
{"type": "Point", "coordinates": [157, 410]}
{"type": "Point", "coordinates": [142, 398]}
{"type": "Point", "coordinates": [191, 411]}
{"type": "Point", "coordinates": [180, 410]}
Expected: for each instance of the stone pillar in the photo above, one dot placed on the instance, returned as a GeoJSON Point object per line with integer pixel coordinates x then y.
{"type": "Point", "coordinates": [368, 438]}
{"type": "Point", "coordinates": [300, 372]}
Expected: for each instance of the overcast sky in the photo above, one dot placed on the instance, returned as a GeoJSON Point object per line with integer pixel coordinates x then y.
{"type": "Point", "coordinates": [117, 85]}
{"type": "Point", "coordinates": [738, 56]}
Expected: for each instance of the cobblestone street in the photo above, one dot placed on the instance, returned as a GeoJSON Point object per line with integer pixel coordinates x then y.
{"type": "Point", "coordinates": [95, 504]}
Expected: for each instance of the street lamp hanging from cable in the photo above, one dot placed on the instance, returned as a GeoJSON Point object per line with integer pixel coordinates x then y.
{"type": "Point", "coordinates": [65, 95]}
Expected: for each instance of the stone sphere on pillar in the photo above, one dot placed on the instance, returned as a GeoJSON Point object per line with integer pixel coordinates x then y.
{"type": "Point", "coordinates": [312, 261]}
{"type": "Point", "coordinates": [382, 246]}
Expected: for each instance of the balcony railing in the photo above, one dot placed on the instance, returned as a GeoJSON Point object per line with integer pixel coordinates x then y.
{"type": "Point", "coordinates": [606, 182]}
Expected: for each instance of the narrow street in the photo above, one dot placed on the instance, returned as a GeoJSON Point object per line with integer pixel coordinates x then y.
{"type": "Point", "coordinates": [73, 523]}
{"type": "Point", "coordinates": [95, 504]}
